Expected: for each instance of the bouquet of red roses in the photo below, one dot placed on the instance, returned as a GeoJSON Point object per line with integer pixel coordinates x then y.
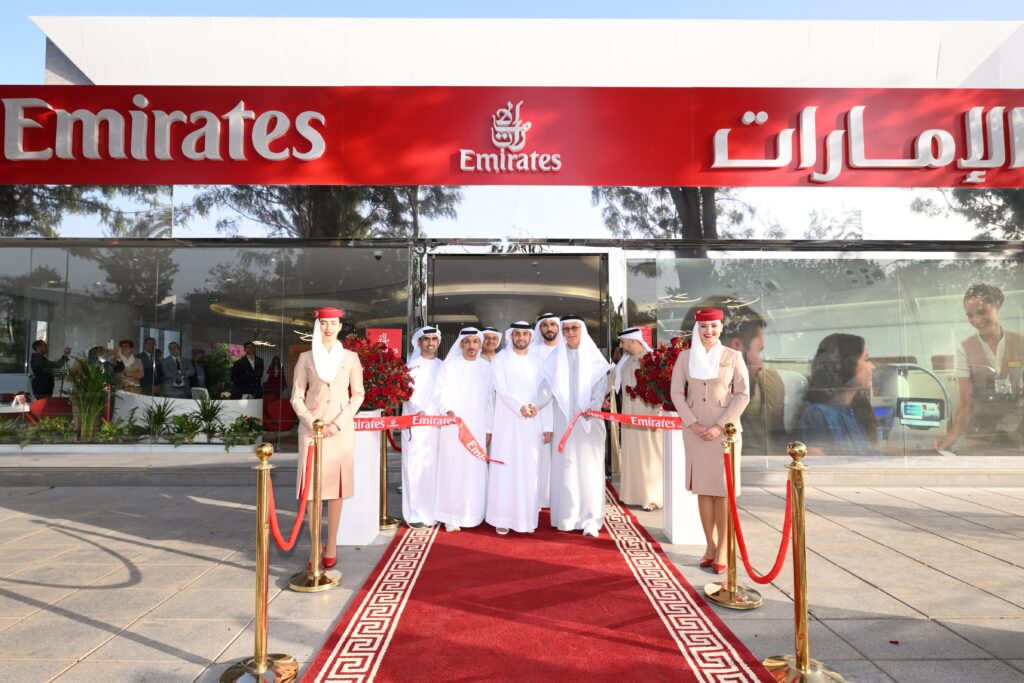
{"type": "Point", "coordinates": [385, 377]}
{"type": "Point", "coordinates": [654, 376]}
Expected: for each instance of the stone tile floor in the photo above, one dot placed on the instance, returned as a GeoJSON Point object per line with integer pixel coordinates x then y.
{"type": "Point", "coordinates": [148, 583]}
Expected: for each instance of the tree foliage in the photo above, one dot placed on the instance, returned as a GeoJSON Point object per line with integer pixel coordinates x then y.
{"type": "Point", "coordinates": [39, 210]}
{"type": "Point", "coordinates": [995, 213]}
{"type": "Point", "coordinates": [320, 211]}
{"type": "Point", "coordinates": [697, 213]}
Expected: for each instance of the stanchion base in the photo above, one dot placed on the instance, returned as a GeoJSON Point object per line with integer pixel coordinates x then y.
{"type": "Point", "coordinates": [281, 669]}
{"type": "Point", "coordinates": [304, 582]}
{"type": "Point", "coordinates": [741, 598]}
{"type": "Point", "coordinates": [784, 668]}
{"type": "Point", "coordinates": [389, 523]}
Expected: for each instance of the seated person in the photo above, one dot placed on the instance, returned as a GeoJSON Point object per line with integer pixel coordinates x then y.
{"type": "Point", "coordinates": [838, 418]}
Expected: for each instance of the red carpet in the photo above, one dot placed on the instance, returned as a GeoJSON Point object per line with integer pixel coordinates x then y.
{"type": "Point", "coordinates": [473, 605]}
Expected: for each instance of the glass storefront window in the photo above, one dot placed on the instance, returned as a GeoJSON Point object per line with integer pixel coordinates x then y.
{"type": "Point", "coordinates": [858, 354]}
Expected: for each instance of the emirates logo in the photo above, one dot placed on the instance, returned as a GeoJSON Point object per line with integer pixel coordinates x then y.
{"type": "Point", "coordinates": [508, 135]}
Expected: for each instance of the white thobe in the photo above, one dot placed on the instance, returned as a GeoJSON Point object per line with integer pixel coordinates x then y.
{"type": "Point", "coordinates": [465, 388]}
{"type": "Point", "coordinates": [577, 473]}
{"type": "Point", "coordinates": [641, 453]}
{"type": "Point", "coordinates": [420, 445]}
{"type": "Point", "coordinates": [512, 499]}
{"type": "Point", "coordinates": [548, 450]}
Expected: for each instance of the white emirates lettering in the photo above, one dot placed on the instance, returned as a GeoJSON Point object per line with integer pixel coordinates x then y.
{"type": "Point", "coordinates": [503, 161]}
{"type": "Point", "coordinates": [130, 134]}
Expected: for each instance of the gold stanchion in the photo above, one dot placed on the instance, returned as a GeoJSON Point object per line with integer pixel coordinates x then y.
{"type": "Point", "coordinates": [729, 593]}
{"type": "Point", "coordinates": [262, 668]}
{"type": "Point", "coordinates": [314, 578]}
{"type": "Point", "coordinates": [799, 667]}
{"type": "Point", "coordinates": [386, 521]}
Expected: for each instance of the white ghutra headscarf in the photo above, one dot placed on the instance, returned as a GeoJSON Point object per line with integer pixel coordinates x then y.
{"type": "Point", "coordinates": [592, 369]}
{"type": "Point", "coordinates": [422, 332]}
{"type": "Point", "coordinates": [538, 339]}
{"type": "Point", "coordinates": [631, 333]}
{"type": "Point", "coordinates": [455, 352]}
{"type": "Point", "coordinates": [517, 325]}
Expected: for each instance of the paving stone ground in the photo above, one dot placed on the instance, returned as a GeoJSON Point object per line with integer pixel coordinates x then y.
{"type": "Point", "coordinates": [155, 584]}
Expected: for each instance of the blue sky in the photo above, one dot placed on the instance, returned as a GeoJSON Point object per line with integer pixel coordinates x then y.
{"type": "Point", "coordinates": [22, 44]}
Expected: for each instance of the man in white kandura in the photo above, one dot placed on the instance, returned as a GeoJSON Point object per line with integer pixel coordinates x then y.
{"type": "Point", "coordinates": [420, 444]}
{"type": "Point", "coordinates": [641, 448]}
{"type": "Point", "coordinates": [491, 341]}
{"type": "Point", "coordinates": [517, 438]}
{"type": "Point", "coordinates": [546, 335]}
{"type": "Point", "coordinates": [576, 378]}
{"type": "Point", "coordinates": [465, 389]}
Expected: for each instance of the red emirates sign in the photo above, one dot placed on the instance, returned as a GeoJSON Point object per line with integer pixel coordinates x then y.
{"type": "Point", "coordinates": [391, 338]}
{"type": "Point", "coordinates": [512, 136]}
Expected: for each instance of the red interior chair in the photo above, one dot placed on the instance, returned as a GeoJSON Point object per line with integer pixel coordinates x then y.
{"type": "Point", "coordinates": [278, 416]}
{"type": "Point", "coordinates": [59, 406]}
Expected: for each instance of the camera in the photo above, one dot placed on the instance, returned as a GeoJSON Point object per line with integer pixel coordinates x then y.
{"type": "Point", "coordinates": [378, 255]}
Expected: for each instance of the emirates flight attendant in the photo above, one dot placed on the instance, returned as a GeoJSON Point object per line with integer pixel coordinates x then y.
{"type": "Point", "coordinates": [328, 385]}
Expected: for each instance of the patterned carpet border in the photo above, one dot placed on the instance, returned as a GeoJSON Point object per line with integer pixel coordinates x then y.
{"type": "Point", "coordinates": [710, 649]}
{"type": "Point", "coordinates": [355, 648]}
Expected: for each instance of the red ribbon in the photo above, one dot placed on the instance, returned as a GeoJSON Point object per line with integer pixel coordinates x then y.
{"type": "Point", "coordinates": [272, 511]}
{"type": "Point", "coordinates": [642, 421]}
{"type": "Point", "coordinates": [466, 438]}
{"type": "Point", "coordinates": [787, 528]}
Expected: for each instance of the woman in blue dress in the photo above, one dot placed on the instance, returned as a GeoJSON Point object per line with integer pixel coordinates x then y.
{"type": "Point", "coordinates": [838, 418]}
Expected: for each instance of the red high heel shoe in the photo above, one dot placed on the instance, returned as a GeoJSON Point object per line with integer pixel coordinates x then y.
{"type": "Point", "coordinates": [719, 568]}
{"type": "Point", "coordinates": [705, 562]}
{"type": "Point", "coordinates": [330, 562]}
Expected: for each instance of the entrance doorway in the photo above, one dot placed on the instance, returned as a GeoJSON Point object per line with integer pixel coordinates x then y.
{"type": "Point", "coordinates": [497, 290]}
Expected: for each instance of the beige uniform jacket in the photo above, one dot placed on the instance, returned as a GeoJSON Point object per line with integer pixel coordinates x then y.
{"type": "Point", "coordinates": [717, 401]}
{"type": "Point", "coordinates": [337, 402]}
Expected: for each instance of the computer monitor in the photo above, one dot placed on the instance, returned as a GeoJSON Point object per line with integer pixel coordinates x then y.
{"type": "Point", "coordinates": [921, 412]}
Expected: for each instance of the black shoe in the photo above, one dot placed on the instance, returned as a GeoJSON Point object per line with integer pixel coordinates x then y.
{"type": "Point", "coordinates": [416, 525]}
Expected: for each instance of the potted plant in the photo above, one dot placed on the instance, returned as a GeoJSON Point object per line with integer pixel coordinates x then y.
{"type": "Point", "coordinates": [219, 359]}
{"type": "Point", "coordinates": [185, 428]}
{"type": "Point", "coordinates": [157, 419]}
{"type": "Point", "coordinates": [50, 430]}
{"type": "Point", "coordinates": [208, 413]}
{"type": "Point", "coordinates": [121, 430]}
{"type": "Point", "coordinates": [11, 431]}
{"type": "Point", "coordinates": [89, 381]}
{"type": "Point", "coordinates": [244, 430]}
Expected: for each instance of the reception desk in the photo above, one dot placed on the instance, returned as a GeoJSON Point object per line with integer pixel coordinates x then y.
{"type": "Point", "coordinates": [124, 403]}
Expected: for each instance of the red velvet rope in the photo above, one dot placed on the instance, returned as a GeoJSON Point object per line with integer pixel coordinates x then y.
{"type": "Point", "coordinates": [302, 507]}
{"type": "Point", "coordinates": [391, 440]}
{"type": "Point", "coordinates": [787, 528]}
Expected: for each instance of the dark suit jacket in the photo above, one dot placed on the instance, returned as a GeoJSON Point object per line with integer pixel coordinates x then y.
{"type": "Point", "coordinates": [245, 379]}
{"type": "Point", "coordinates": [149, 379]}
{"type": "Point", "coordinates": [42, 374]}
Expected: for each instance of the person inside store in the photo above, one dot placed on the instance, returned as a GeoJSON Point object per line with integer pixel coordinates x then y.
{"type": "Point", "coordinates": [988, 368]}
{"type": "Point", "coordinates": [198, 380]}
{"type": "Point", "coordinates": [328, 386]}
{"type": "Point", "coordinates": [45, 370]}
{"type": "Point", "coordinates": [152, 375]}
{"type": "Point", "coordinates": [276, 382]}
{"type": "Point", "coordinates": [176, 373]}
{"type": "Point", "coordinates": [128, 368]}
{"type": "Point", "coordinates": [709, 390]}
{"type": "Point", "coordinates": [837, 417]}
{"type": "Point", "coordinates": [247, 375]}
